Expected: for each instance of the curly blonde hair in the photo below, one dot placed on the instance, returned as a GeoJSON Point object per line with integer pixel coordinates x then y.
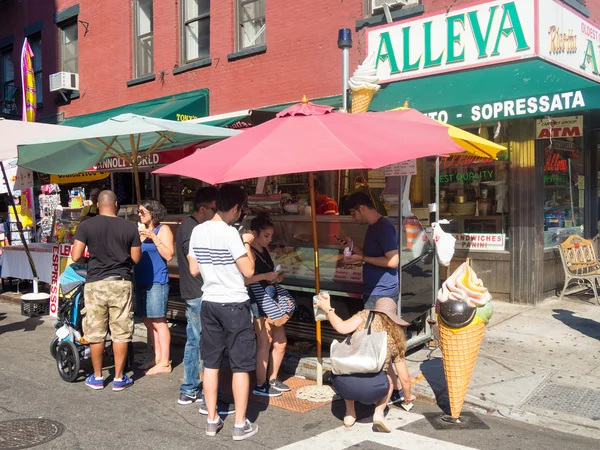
{"type": "Point", "coordinates": [394, 332]}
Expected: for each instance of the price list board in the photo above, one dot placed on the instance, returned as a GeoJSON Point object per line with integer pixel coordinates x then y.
{"type": "Point", "coordinates": [170, 194]}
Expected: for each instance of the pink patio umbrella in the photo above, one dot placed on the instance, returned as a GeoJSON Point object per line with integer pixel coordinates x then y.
{"type": "Point", "coordinates": [310, 138]}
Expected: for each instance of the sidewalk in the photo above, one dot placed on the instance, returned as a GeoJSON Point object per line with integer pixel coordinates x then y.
{"type": "Point", "coordinates": [540, 365]}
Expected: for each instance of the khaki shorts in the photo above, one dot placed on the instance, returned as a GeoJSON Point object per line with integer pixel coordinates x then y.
{"type": "Point", "coordinates": [108, 306]}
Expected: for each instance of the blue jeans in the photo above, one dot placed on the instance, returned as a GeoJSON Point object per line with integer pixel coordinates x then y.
{"type": "Point", "coordinates": [191, 355]}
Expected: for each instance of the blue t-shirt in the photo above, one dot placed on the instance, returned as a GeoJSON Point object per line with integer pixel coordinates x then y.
{"type": "Point", "coordinates": [381, 238]}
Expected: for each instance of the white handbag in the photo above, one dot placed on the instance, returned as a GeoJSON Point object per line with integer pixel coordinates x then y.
{"type": "Point", "coordinates": [362, 352]}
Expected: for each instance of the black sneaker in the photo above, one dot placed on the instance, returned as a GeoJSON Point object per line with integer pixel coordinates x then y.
{"type": "Point", "coordinates": [223, 408]}
{"type": "Point", "coordinates": [185, 399]}
{"type": "Point", "coordinates": [279, 386]}
{"type": "Point", "coordinates": [249, 429]}
{"type": "Point", "coordinates": [265, 390]}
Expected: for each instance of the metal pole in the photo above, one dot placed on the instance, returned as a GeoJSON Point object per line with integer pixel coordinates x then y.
{"type": "Point", "coordinates": [313, 216]}
{"type": "Point", "coordinates": [400, 229]}
{"type": "Point", "coordinates": [345, 43]}
{"type": "Point", "coordinates": [345, 76]}
{"type": "Point", "coordinates": [436, 265]}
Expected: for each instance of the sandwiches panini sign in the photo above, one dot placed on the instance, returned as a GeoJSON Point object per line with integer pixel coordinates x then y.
{"type": "Point", "coordinates": [489, 33]}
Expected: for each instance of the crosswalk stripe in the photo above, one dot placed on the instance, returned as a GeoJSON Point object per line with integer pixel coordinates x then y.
{"type": "Point", "coordinates": [341, 438]}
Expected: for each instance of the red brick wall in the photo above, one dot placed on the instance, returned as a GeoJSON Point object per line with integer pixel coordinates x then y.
{"type": "Point", "coordinates": [302, 57]}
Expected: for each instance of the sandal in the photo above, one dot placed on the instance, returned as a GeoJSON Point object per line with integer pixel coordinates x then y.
{"type": "Point", "coordinates": [149, 365]}
{"type": "Point", "coordinates": [160, 368]}
{"type": "Point", "coordinates": [380, 424]}
{"type": "Point", "coordinates": [349, 421]}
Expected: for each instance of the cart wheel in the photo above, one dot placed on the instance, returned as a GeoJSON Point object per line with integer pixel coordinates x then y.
{"type": "Point", "coordinates": [67, 361]}
{"type": "Point", "coordinates": [129, 364]}
{"type": "Point", "coordinates": [54, 346]}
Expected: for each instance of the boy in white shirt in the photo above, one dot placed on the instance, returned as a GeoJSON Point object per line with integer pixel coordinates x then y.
{"type": "Point", "coordinates": [223, 259]}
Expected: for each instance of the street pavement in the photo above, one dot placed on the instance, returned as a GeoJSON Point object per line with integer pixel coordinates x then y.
{"type": "Point", "coordinates": [148, 416]}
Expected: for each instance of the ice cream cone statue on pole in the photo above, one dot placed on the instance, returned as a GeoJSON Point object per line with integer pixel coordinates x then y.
{"type": "Point", "coordinates": [363, 84]}
{"type": "Point", "coordinates": [464, 308]}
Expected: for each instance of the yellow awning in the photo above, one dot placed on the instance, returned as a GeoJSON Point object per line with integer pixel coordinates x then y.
{"type": "Point", "coordinates": [473, 144]}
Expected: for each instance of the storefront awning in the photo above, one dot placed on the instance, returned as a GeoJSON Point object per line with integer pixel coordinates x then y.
{"type": "Point", "coordinates": [525, 89]}
{"type": "Point", "coordinates": [247, 118]}
{"type": "Point", "coordinates": [179, 107]}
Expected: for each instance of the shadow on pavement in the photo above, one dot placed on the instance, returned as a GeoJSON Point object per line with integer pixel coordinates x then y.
{"type": "Point", "coordinates": [2, 316]}
{"type": "Point", "coordinates": [589, 327]}
{"type": "Point", "coordinates": [433, 371]}
{"type": "Point", "coordinates": [29, 324]}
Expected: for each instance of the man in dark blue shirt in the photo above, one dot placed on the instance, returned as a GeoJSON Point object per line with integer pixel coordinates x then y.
{"type": "Point", "coordinates": [379, 253]}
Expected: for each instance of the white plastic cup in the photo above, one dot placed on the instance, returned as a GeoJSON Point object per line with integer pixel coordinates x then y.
{"type": "Point", "coordinates": [347, 252]}
{"type": "Point", "coordinates": [320, 315]}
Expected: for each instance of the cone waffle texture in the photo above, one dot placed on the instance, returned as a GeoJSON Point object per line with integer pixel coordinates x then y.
{"type": "Point", "coordinates": [459, 352]}
{"type": "Point", "coordinates": [361, 99]}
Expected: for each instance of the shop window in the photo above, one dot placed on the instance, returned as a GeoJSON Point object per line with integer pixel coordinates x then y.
{"type": "Point", "coordinates": [473, 195]}
{"type": "Point", "coordinates": [250, 23]}
{"type": "Point", "coordinates": [564, 177]}
{"type": "Point", "coordinates": [35, 42]}
{"type": "Point", "coordinates": [143, 38]}
{"type": "Point", "coordinates": [8, 91]}
{"type": "Point", "coordinates": [68, 47]}
{"type": "Point", "coordinates": [195, 26]}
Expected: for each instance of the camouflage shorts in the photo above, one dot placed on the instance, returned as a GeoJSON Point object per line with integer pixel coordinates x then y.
{"type": "Point", "coordinates": [108, 307]}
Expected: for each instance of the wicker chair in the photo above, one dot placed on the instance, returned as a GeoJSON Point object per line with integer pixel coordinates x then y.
{"type": "Point", "coordinates": [580, 264]}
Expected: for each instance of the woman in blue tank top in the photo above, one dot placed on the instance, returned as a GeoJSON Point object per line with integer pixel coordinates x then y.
{"type": "Point", "coordinates": [152, 283]}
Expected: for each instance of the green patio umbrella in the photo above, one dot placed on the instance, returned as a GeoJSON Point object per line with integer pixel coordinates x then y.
{"type": "Point", "coordinates": [128, 136]}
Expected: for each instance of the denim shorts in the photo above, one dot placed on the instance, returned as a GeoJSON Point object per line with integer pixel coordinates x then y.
{"type": "Point", "coordinates": [151, 300]}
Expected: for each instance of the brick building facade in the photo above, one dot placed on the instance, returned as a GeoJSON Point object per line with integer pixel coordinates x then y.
{"type": "Point", "coordinates": [299, 55]}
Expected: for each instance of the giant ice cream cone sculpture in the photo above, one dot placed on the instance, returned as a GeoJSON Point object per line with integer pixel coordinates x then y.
{"type": "Point", "coordinates": [364, 84]}
{"type": "Point", "coordinates": [464, 308]}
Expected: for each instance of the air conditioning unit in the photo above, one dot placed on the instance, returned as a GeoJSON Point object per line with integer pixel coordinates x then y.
{"type": "Point", "coordinates": [64, 81]}
{"type": "Point", "coordinates": [377, 5]}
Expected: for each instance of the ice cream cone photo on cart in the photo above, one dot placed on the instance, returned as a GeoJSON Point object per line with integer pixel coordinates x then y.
{"type": "Point", "coordinates": [464, 309]}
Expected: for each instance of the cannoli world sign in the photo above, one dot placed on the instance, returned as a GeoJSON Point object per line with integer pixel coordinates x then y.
{"type": "Point", "coordinates": [489, 33]}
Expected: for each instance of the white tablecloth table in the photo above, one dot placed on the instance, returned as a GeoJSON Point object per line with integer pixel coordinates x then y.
{"type": "Point", "coordinates": [16, 265]}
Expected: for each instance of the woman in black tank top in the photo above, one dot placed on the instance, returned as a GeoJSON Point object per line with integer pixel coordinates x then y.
{"type": "Point", "coordinates": [267, 384]}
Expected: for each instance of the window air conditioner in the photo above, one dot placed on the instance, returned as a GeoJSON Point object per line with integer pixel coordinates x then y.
{"type": "Point", "coordinates": [64, 81]}
{"type": "Point", "coordinates": [377, 5]}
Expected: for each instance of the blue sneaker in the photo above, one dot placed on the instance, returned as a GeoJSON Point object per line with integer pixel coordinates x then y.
{"type": "Point", "coordinates": [93, 383]}
{"type": "Point", "coordinates": [123, 384]}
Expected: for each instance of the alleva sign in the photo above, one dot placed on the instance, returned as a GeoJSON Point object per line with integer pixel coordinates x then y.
{"type": "Point", "coordinates": [489, 33]}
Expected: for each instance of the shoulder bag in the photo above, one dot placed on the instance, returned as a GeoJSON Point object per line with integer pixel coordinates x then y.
{"type": "Point", "coordinates": [362, 352]}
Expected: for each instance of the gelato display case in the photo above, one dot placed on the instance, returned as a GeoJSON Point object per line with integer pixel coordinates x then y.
{"type": "Point", "coordinates": [292, 249]}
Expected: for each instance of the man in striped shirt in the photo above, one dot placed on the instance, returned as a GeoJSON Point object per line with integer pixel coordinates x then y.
{"type": "Point", "coordinates": [223, 259]}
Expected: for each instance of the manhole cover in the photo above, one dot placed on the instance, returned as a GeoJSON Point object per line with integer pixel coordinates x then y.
{"type": "Point", "coordinates": [566, 399]}
{"type": "Point", "coordinates": [25, 433]}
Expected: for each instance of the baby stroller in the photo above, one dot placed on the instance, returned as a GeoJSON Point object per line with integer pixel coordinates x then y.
{"type": "Point", "coordinates": [66, 347]}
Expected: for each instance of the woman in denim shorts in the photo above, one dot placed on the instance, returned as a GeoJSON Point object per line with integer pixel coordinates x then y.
{"type": "Point", "coordinates": [152, 283]}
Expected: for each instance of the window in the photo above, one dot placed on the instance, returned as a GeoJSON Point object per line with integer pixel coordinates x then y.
{"type": "Point", "coordinates": [195, 26]}
{"type": "Point", "coordinates": [35, 42]}
{"type": "Point", "coordinates": [143, 38]}
{"type": "Point", "coordinates": [7, 78]}
{"type": "Point", "coordinates": [250, 23]}
{"type": "Point", "coordinates": [68, 47]}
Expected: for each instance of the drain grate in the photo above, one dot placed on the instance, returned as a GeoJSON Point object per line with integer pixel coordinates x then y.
{"type": "Point", "coordinates": [26, 433]}
{"type": "Point", "coordinates": [567, 399]}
